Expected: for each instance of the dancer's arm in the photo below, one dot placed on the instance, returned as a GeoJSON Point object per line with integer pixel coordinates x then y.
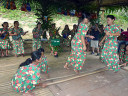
{"type": "Point", "coordinates": [83, 42]}
{"type": "Point", "coordinates": [42, 85]}
{"type": "Point", "coordinates": [102, 40]}
{"type": "Point", "coordinates": [89, 36]}
{"type": "Point", "coordinates": [113, 34]}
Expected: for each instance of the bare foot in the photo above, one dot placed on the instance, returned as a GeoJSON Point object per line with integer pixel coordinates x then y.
{"type": "Point", "coordinates": [28, 94]}
{"type": "Point", "coordinates": [16, 55]}
{"type": "Point", "coordinates": [77, 71]}
{"type": "Point", "coordinates": [23, 55]}
{"type": "Point", "coordinates": [66, 66]}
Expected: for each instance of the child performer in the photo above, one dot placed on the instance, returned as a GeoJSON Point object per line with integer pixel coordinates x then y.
{"type": "Point", "coordinates": [28, 75]}
{"type": "Point", "coordinates": [37, 32]}
{"type": "Point", "coordinates": [124, 55]}
{"type": "Point", "coordinates": [16, 33]}
{"type": "Point", "coordinates": [43, 65]}
{"type": "Point", "coordinates": [4, 39]}
{"type": "Point", "coordinates": [109, 53]}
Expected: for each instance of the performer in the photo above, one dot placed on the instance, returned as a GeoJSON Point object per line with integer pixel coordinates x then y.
{"type": "Point", "coordinates": [37, 32]}
{"type": "Point", "coordinates": [4, 39]}
{"type": "Point", "coordinates": [43, 65]}
{"type": "Point", "coordinates": [65, 33]}
{"type": "Point", "coordinates": [78, 47]}
{"type": "Point", "coordinates": [27, 76]}
{"type": "Point", "coordinates": [74, 31]}
{"type": "Point", "coordinates": [16, 33]}
{"type": "Point", "coordinates": [54, 35]}
{"type": "Point", "coordinates": [124, 55]}
{"type": "Point", "coordinates": [109, 52]}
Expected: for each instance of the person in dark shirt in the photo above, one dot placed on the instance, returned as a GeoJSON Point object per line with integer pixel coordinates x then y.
{"type": "Point", "coordinates": [95, 42]}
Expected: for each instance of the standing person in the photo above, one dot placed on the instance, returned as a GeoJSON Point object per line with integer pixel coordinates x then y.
{"type": "Point", "coordinates": [109, 52]}
{"type": "Point", "coordinates": [16, 33]}
{"type": "Point", "coordinates": [4, 39]}
{"type": "Point", "coordinates": [78, 47]}
{"type": "Point", "coordinates": [95, 42]}
{"type": "Point", "coordinates": [73, 31]}
{"type": "Point", "coordinates": [37, 32]}
{"type": "Point", "coordinates": [27, 76]}
{"type": "Point", "coordinates": [65, 33]}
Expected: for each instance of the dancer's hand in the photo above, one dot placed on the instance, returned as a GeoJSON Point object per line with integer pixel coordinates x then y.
{"type": "Point", "coordinates": [84, 48]}
{"type": "Point", "coordinates": [44, 85]}
{"type": "Point", "coordinates": [107, 33]}
{"type": "Point", "coordinates": [100, 44]}
{"type": "Point", "coordinates": [92, 37]}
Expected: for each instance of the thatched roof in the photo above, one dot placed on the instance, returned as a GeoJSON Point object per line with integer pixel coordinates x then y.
{"type": "Point", "coordinates": [114, 2]}
{"type": "Point", "coordinates": [102, 2]}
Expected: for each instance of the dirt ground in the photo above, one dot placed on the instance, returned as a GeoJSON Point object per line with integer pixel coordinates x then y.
{"type": "Point", "coordinates": [106, 83]}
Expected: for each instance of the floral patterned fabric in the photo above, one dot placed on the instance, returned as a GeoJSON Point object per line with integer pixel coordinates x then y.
{"type": "Point", "coordinates": [78, 55]}
{"type": "Point", "coordinates": [109, 52]}
{"type": "Point", "coordinates": [26, 78]}
{"type": "Point", "coordinates": [123, 56]}
{"type": "Point", "coordinates": [4, 43]}
{"type": "Point", "coordinates": [37, 41]}
{"type": "Point", "coordinates": [43, 65]}
{"type": "Point", "coordinates": [18, 45]}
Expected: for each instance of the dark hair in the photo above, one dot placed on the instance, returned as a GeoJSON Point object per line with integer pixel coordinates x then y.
{"type": "Point", "coordinates": [65, 27]}
{"type": "Point", "coordinates": [4, 23]}
{"type": "Point", "coordinates": [122, 30]}
{"type": "Point", "coordinates": [27, 62]}
{"type": "Point", "coordinates": [16, 22]}
{"type": "Point", "coordinates": [40, 50]}
{"type": "Point", "coordinates": [35, 55]}
{"type": "Point", "coordinates": [74, 25]}
{"type": "Point", "coordinates": [38, 24]}
{"type": "Point", "coordinates": [111, 16]}
{"type": "Point", "coordinates": [85, 16]}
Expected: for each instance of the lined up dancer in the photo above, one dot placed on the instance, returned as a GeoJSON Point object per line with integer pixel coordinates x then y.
{"type": "Point", "coordinates": [78, 47]}
{"type": "Point", "coordinates": [109, 53]}
{"type": "Point", "coordinates": [27, 76]}
{"type": "Point", "coordinates": [4, 39]}
{"type": "Point", "coordinates": [65, 33]}
{"type": "Point", "coordinates": [37, 32]}
{"type": "Point", "coordinates": [16, 33]}
{"type": "Point", "coordinates": [73, 31]}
